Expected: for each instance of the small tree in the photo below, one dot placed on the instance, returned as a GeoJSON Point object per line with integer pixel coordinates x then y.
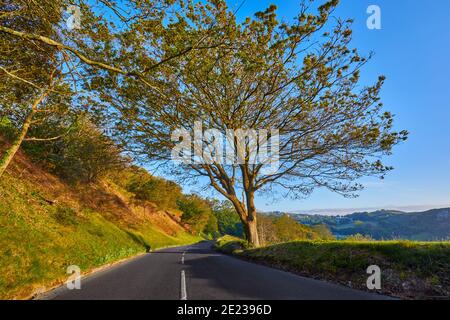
{"type": "Point", "coordinates": [227, 219]}
{"type": "Point", "coordinates": [196, 213]}
{"type": "Point", "coordinates": [300, 78]}
{"type": "Point", "coordinates": [85, 154]}
{"type": "Point", "coordinates": [146, 187]}
{"type": "Point", "coordinates": [30, 78]}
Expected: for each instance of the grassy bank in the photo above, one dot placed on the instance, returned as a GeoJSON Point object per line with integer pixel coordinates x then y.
{"type": "Point", "coordinates": [408, 269]}
{"type": "Point", "coordinates": [47, 225]}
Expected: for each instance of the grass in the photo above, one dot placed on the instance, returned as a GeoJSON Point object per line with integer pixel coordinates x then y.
{"type": "Point", "coordinates": [229, 244]}
{"type": "Point", "coordinates": [408, 269]}
{"type": "Point", "coordinates": [39, 240]}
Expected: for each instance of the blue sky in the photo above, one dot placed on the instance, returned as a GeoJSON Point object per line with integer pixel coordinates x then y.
{"type": "Point", "coordinates": [413, 51]}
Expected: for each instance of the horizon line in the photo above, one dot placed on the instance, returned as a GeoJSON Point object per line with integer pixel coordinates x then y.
{"type": "Point", "coordinates": [347, 211]}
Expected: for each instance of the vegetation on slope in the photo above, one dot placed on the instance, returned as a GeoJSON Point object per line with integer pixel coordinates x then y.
{"type": "Point", "coordinates": [47, 225]}
{"type": "Point", "coordinates": [279, 229]}
{"type": "Point", "coordinates": [408, 269]}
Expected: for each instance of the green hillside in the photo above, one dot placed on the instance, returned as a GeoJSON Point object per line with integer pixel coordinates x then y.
{"type": "Point", "coordinates": [47, 225]}
{"type": "Point", "coordinates": [430, 225]}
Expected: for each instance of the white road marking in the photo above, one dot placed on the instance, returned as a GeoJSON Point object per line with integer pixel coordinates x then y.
{"type": "Point", "coordinates": [183, 294]}
{"type": "Point", "coordinates": [182, 258]}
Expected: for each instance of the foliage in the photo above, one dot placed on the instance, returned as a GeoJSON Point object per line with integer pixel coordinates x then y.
{"type": "Point", "coordinates": [7, 129]}
{"type": "Point", "coordinates": [301, 78]}
{"type": "Point", "coordinates": [283, 228]}
{"type": "Point", "coordinates": [230, 244]}
{"type": "Point", "coordinates": [323, 231]}
{"type": "Point", "coordinates": [211, 228]}
{"type": "Point", "coordinates": [228, 220]}
{"type": "Point", "coordinates": [48, 68]}
{"type": "Point", "coordinates": [85, 154]}
{"type": "Point", "coordinates": [146, 187]}
{"type": "Point", "coordinates": [197, 213]}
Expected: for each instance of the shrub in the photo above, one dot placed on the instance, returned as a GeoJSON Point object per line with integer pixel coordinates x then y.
{"type": "Point", "coordinates": [146, 187]}
{"type": "Point", "coordinates": [65, 216]}
{"type": "Point", "coordinates": [227, 218]}
{"type": "Point", "coordinates": [197, 214]}
{"type": "Point", "coordinates": [272, 230]}
{"type": "Point", "coordinates": [86, 154]}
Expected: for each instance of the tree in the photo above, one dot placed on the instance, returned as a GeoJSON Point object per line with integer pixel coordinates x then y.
{"type": "Point", "coordinates": [323, 231]}
{"type": "Point", "coordinates": [38, 43]}
{"type": "Point", "coordinates": [197, 214]}
{"type": "Point", "coordinates": [227, 219]}
{"type": "Point", "coordinates": [211, 228]}
{"type": "Point", "coordinates": [85, 154]}
{"type": "Point", "coordinates": [299, 78]}
{"type": "Point", "coordinates": [280, 229]}
{"type": "Point", "coordinates": [30, 89]}
{"type": "Point", "coordinates": [146, 187]}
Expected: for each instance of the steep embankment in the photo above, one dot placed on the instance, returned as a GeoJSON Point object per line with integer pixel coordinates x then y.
{"type": "Point", "coordinates": [47, 225]}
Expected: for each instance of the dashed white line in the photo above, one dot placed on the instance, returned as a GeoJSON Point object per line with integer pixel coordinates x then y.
{"type": "Point", "coordinates": [183, 294]}
{"type": "Point", "coordinates": [182, 258]}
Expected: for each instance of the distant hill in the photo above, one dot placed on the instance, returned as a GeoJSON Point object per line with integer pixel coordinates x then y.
{"type": "Point", "coordinates": [385, 224]}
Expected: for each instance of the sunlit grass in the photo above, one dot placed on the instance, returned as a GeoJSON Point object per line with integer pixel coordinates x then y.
{"type": "Point", "coordinates": [39, 240]}
{"type": "Point", "coordinates": [409, 268]}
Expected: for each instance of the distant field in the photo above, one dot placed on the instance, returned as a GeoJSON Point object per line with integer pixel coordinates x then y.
{"type": "Point", "coordinates": [408, 269]}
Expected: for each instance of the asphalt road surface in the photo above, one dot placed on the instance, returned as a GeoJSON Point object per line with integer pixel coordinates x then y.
{"type": "Point", "coordinates": [197, 272]}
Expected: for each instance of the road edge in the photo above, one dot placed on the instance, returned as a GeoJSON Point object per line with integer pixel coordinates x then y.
{"type": "Point", "coordinates": [47, 293]}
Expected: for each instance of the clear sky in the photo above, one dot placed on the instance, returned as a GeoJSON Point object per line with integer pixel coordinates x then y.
{"type": "Point", "coordinates": [413, 51]}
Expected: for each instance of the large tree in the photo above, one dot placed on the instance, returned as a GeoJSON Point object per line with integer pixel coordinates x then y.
{"type": "Point", "coordinates": [300, 78]}
{"type": "Point", "coordinates": [73, 48]}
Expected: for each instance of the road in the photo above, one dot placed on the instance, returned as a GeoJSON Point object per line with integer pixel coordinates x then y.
{"type": "Point", "coordinates": [197, 272]}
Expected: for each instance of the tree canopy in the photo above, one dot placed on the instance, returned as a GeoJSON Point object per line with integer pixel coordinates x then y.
{"type": "Point", "coordinates": [152, 70]}
{"type": "Point", "coordinates": [300, 78]}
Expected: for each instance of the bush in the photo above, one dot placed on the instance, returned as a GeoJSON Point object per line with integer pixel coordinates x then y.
{"type": "Point", "coordinates": [272, 230]}
{"type": "Point", "coordinates": [197, 214]}
{"type": "Point", "coordinates": [65, 216]}
{"type": "Point", "coordinates": [146, 187]}
{"type": "Point", "coordinates": [84, 154]}
{"type": "Point", "coordinates": [88, 155]}
{"type": "Point", "coordinates": [227, 218]}
{"type": "Point", "coordinates": [7, 129]}
{"type": "Point", "coordinates": [230, 244]}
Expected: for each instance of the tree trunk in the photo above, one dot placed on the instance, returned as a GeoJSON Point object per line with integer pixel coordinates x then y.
{"type": "Point", "coordinates": [251, 223]}
{"type": "Point", "coordinates": [12, 150]}
{"type": "Point", "coordinates": [251, 232]}
{"type": "Point", "coordinates": [248, 219]}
